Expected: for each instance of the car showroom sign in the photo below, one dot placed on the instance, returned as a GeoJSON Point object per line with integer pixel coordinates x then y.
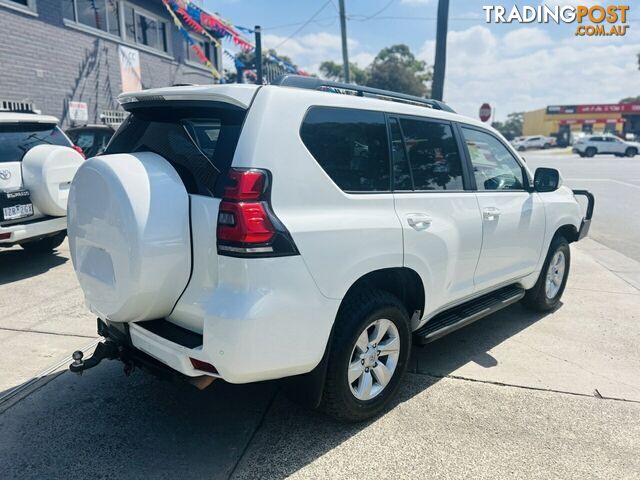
{"type": "Point", "coordinates": [597, 108]}
{"type": "Point", "coordinates": [610, 20]}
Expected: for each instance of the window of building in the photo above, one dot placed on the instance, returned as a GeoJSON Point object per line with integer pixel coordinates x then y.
{"type": "Point", "coordinates": [20, 4]}
{"type": "Point", "coordinates": [351, 146]}
{"type": "Point", "coordinates": [145, 29]}
{"type": "Point", "coordinates": [99, 14]}
{"type": "Point", "coordinates": [494, 167]}
{"type": "Point", "coordinates": [207, 48]}
{"type": "Point", "coordinates": [433, 155]}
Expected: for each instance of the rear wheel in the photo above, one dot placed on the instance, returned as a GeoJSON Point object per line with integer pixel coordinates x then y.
{"type": "Point", "coordinates": [590, 152]}
{"type": "Point", "coordinates": [368, 356]}
{"type": "Point", "coordinates": [546, 146]}
{"type": "Point", "coordinates": [631, 152]}
{"type": "Point", "coordinates": [546, 293]}
{"type": "Point", "coordinates": [522, 149]}
{"type": "Point", "coordinates": [45, 245]}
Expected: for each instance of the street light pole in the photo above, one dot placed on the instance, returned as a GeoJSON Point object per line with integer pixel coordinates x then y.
{"type": "Point", "coordinates": [343, 30]}
{"type": "Point", "coordinates": [437, 87]}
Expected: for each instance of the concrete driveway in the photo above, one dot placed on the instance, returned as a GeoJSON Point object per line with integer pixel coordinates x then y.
{"type": "Point", "coordinates": [515, 395]}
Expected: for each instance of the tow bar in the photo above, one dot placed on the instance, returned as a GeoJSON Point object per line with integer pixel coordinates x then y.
{"type": "Point", "coordinates": [104, 350]}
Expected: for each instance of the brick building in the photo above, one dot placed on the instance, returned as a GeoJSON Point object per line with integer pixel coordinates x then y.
{"type": "Point", "coordinates": [72, 58]}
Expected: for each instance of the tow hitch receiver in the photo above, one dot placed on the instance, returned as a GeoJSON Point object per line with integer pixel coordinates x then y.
{"type": "Point", "coordinates": [107, 349]}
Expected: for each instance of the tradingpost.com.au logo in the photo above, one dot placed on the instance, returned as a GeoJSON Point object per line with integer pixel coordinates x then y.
{"type": "Point", "coordinates": [603, 21]}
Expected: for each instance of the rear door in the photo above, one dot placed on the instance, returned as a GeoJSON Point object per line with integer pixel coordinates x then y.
{"type": "Point", "coordinates": [440, 219]}
{"type": "Point", "coordinates": [513, 218]}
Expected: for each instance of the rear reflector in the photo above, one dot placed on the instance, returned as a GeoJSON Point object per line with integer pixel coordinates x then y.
{"type": "Point", "coordinates": [203, 366]}
{"type": "Point", "coordinates": [5, 236]}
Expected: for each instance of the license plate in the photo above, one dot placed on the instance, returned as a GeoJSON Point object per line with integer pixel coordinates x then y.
{"type": "Point", "coordinates": [17, 211]}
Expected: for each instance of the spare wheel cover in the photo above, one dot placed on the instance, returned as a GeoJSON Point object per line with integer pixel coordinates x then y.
{"type": "Point", "coordinates": [129, 235]}
{"type": "Point", "coordinates": [47, 171]}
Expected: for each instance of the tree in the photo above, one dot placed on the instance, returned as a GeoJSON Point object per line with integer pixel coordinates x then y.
{"type": "Point", "coordinates": [511, 127]}
{"type": "Point", "coordinates": [630, 100]}
{"type": "Point", "coordinates": [248, 60]}
{"type": "Point", "coordinates": [396, 68]}
{"type": "Point", "coordinates": [334, 71]}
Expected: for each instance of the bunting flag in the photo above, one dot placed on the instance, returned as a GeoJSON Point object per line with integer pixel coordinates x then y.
{"type": "Point", "coordinates": [195, 47]}
{"type": "Point", "coordinates": [201, 22]}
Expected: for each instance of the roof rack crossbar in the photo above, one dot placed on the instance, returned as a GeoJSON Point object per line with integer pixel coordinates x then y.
{"type": "Point", "coordinates": [313, 83]}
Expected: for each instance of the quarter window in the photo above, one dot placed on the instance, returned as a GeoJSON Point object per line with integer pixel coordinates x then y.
{"type": "Point", "coordinates": [433, 155]}
{"type": "Point", "coordinates": [401, 172]}
{"type": "Point", "coordinates": [351, 147]}
{"type": "Point", "coordinates": [494, 168]}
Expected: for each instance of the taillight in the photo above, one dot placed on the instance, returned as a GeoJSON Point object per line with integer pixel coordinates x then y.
{"type": "Point", "coordinates": [79, 150]}
{"type": "Point", "coordinates": [247, 226]}
{"type": "Point", "coordinates": [204, 366]}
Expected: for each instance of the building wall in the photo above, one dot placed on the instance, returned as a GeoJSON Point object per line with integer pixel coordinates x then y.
{"type": "Point", "coordinates": [50, 63]}
{"type": "Point", "coordinates": [533, 123]}
{"type": "Point", "coordinates": [538, 122]}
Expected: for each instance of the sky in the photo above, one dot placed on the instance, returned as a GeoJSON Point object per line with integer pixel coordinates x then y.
{"type": "Point", "coordinates": [514, 67]}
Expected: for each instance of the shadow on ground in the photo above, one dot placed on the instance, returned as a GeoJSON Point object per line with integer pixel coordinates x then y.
{"type": "Point", "coordinates": [105, 425]}
{"type": "Point", "coordinates": [17, 264]}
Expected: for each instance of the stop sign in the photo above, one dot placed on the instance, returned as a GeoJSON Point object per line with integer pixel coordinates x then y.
{"type": "Point", "coordinates": [485, 112]}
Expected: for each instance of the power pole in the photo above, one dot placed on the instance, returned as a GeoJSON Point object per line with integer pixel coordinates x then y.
{"type": "Point", "coordinates": [437, 87]}
{"type": "Point", "coordinates": [345, 54]}
{"type": "Point", "coordinates": [258, 56]}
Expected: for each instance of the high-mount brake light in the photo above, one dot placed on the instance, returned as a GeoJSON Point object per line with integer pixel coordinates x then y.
{"type": "Point", "coordinates": [247, 226]}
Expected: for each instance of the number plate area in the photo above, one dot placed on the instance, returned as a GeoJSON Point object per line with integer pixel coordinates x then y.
{"type": "Point", "coordinates": [15, 205]}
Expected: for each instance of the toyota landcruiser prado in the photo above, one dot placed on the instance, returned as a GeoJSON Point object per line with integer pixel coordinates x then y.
{"type": "Point", "coordinates": [37, 164]}
{"type": "Point", "coordinates": [307, 231]}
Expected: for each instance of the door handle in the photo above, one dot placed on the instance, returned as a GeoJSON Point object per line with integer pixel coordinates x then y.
{"type": "Point", "coordinates": [418, 221]}
{"type": "Point", "coordinates": [491, 214]}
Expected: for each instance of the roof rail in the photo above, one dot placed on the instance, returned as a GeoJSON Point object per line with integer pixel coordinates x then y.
{"type": "Point", "coordinates": [314, 83]}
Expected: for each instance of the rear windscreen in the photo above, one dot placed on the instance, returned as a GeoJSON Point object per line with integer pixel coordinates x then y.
{"type": "Point", "coordinates": [198, 141]}
{"type": "Point", "coordinates": [18, 138]}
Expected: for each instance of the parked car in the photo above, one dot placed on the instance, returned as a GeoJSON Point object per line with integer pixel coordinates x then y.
{"type": "Point", "coordinates": [37, 164]}
{"type": "Point", "coordinates": [536, 141]}
{"type": "Point", "coordinates": [93, 139]}
{"type": "Point", "coordinates": [281, 232]}
{"type": "Point", "coordinates": [592, 145]}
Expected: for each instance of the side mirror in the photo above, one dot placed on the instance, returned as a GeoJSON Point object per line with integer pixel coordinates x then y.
{"type": "Point", "coordinates": [546, 180]}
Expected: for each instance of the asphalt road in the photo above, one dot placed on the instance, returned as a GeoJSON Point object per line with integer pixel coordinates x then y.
{"type": "Point", "coordinates": [616, 185]}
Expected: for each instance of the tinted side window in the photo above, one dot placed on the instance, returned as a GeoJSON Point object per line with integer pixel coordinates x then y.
{"type": "Point", "coordinates": [494, 167]}
{"type": "Point", "coordinates": [350, 145]}
{"type": "Point", "coordinates": [401, 172]}
{"type": "Point", "coordinates": [433, 155]}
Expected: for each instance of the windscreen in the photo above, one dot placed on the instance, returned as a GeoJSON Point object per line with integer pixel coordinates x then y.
{"type": "Point", "coordinates": [16, 139]}
{"type": "Point", "coordinates": [198, 141]}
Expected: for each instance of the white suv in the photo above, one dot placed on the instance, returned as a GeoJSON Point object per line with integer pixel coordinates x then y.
{"type": "Point", "coordinates": [253, 233]}
{"type": "Point", "coordinates": [524, 143]}
{"type": "Point", "coordinates": [592, 145]}
{"type": "Point", "coordinates": [37, 164]}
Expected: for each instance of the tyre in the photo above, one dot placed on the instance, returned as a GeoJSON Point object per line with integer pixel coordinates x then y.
{"type": "Point", "coordinates": [522, 149]}
{"type": "Point", "coordinates": [631, 152]}
{"type": "Point", "coordinates": [368, 356]}
{"type": "Point", "coordinates": [590, 152]}
{"type": "Point", "coordinates": [46, 244]}
{"type": "Point", "coordinates": [546, 293]}
{"type": "Point", "coordinates": [546, 146]}
{"type": "Point", "coordinates": [581, 155]}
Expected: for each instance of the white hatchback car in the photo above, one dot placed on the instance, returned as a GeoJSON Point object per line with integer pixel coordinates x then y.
{"type": "Point", "coordinates": [591, 145]}
{"type": "Point", "coordinates": [37, 164]}
{"type": "Point", "coordinates": [307, 231]}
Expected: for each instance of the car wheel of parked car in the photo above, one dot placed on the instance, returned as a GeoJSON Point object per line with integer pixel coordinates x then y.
{"type": "Point", "coordinates": [546, 293]}
{"type": "Point", "coordinates": [45, 245]}
{"type": "Point", "coordinates": [521, 149]}
{"type": "Point", "coordinates": [631, 152]}
{"type": "Point", "coordinates": [590, 152]}
{"type": "Point", "coordinates": [368, 355]}
{"type": "Point", "coordinates": [546, 146]}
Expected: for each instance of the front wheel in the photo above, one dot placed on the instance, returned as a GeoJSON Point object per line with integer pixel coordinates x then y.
{"type": "Point", "coordinates": [46, 244]}
{"type": "Point", "coordinates": [546, 293]}
{"type": "Point", "coordinates": [590, 152]}
{"type": "Point", "coordinates": [368, 356]}
{"type": "Point", "coordinates": [631, 152]}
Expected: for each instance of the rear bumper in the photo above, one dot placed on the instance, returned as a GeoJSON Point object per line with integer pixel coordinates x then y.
{"type": "Point", "coordinates": [29, 230]}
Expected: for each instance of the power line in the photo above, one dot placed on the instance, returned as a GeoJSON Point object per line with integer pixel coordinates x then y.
{"type": "Point", "coordinates": [317, 21]}
{"type": "Point", "coordinates": [298, 30]}
{"type": "Point", "coordinates": [369, 17]}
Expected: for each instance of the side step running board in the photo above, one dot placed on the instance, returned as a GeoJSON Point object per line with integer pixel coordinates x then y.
{"type": "Point", "coordinates": [450, 320]}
